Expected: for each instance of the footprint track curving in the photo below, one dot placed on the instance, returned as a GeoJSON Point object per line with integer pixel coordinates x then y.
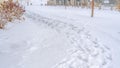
{"type": "Point", "coordinates": [88, 52]}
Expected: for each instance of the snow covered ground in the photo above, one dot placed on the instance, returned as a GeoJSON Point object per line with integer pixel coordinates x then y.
{"type": "Point", "coordinates": [55, 37]}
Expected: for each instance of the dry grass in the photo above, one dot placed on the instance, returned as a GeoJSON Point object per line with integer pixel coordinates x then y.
{"type": "Point", "coordinates": [118, 7]}
{"type": "Point", "coordinates": [10, 11]}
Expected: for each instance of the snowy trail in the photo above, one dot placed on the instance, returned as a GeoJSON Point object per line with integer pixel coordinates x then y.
{"type": "Point", "coordinates": [79, 18]}
{"type": "Point", "coordinates": [110, 39]}
{"type": "Point", "coordinates": [104, 26]}
{"type": "Point", "coordinates": [53, 37]}
{"type": "Point", "coordinates": [86, 48]}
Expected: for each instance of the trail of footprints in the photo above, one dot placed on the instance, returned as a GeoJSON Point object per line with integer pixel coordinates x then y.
{"type": "Point", "coordinates": [88, 52]}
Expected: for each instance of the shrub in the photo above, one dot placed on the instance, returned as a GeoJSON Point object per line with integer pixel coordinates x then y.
{"type": "Point", "coordinates": [10, 11]}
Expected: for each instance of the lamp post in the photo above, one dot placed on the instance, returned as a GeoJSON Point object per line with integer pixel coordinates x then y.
{"type": "Point", "coordinates": [92, 7]}
{"type": "Point", "coordinates": [65, 3]}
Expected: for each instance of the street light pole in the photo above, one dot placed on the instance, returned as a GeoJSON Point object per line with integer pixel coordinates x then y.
{"type": "Point", "coordinates": [65, 3]}
{"type": "Point", "coordinates": [92, 6]}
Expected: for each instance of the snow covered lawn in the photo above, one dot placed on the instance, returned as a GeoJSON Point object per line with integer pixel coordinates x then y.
{"type": "Point", "coordinates": [25, 41]}
{"type": "Point", "coordinates": [55, 37]}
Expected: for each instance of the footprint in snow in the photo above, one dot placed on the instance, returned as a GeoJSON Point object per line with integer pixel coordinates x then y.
{"type": "Point", "coordinates": [118, 32]}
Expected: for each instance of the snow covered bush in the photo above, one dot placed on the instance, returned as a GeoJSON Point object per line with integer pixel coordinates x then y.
{"type": "Point", "coordinates": [10, 11]}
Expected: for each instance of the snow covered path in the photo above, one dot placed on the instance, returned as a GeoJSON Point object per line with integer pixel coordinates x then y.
{"type": "Point", "coordinates": [105, 25]}
{"type": "Point", "coordinates": [85, 47]}
{"type": "Point", "coordinates": [60, 38]}
{"type": "Point", "coordinates": [107, 32]}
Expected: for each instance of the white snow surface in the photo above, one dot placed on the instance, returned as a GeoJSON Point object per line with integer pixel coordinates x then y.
{"type": "Point", "coordinates": [55, 37]}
